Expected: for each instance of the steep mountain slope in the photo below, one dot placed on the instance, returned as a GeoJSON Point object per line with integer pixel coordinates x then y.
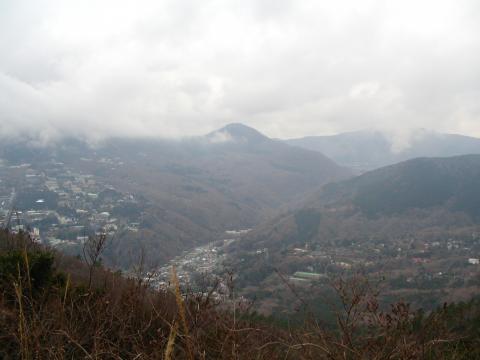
{"type": "Point", "coordinates": [195, 188]}
{"type": "Point", "coordinates": [230, 178]}
{"type": "Point", "coordinates": [422, 211]}
{"type": "Point", "coordinates": [423, 184]}
{"type": "Point", "coordinates": [367, 150]}
{"type": "Point", "coordinates": [415, 184]}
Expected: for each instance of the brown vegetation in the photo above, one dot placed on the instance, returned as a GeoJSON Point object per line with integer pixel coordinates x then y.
{"type": "Point", "coordinates": [46, 313]}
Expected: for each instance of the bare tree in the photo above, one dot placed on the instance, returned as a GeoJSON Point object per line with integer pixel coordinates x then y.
{"type": "Point", "coordinates": [92, 249]}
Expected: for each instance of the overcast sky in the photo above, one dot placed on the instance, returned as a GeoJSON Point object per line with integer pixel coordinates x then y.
{"type": "Point", "coordinates": [287, 68]}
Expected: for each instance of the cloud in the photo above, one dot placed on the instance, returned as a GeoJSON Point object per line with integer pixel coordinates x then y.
{"type": "Point", "coordinates": [220, 137]}
{"type": "Point", "coordinates": [172, 68]}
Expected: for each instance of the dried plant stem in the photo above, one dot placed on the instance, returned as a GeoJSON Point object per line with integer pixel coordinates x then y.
{"type": "Point", "coordinates": [22, 323]}
{"type": "Point", "coordinates": [171, 341]}
{"type": "Point", "coordinates": [181, 311]}
{"type": "Point", "coordinates": [66, 290]}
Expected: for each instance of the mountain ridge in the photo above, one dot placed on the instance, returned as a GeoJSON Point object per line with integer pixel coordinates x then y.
{"type": "Point", "coordinates": [196, 188]}
{"type": "Point", "coordinates": [369, 149]}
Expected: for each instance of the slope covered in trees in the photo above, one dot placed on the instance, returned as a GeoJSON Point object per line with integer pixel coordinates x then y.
{"type": "Point", "coordinates": [415, 223]}
{"type": "Point", "coordinates": [416, 184]}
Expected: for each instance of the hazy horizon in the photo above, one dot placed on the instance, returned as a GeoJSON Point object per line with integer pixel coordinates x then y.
{"type": "Point", "coordinates": [399, 137]}
{"type": "Point", "coordinates": [288, 69]}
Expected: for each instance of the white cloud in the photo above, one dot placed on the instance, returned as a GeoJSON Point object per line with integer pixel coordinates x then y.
{"type": "Point", "coordinates": [220, 137]}
{"type": "Point", "coordinates": [288, 68]}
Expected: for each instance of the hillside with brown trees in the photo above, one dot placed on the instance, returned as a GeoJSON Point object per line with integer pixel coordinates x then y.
{"type": "Point", "coordinates": [55, 307]}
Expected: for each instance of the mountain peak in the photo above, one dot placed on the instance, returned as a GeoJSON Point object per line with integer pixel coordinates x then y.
{"type": "Point", "coordinates": [237, 132]}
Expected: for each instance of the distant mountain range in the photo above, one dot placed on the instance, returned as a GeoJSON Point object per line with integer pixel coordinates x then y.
{"type": "Point", "coordinates": [235, 177]}
{"type": "Point", "coordinates": [368, 150]}
{"type": "Point", "coordinates": [232, 178]}
{"type": "Point", "coordinates": [310, 216]}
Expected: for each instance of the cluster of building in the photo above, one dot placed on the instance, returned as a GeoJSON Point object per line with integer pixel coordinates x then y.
{"type": "Point", "coordinates": [201, 265]}
{"type": "Point", "coordinates": [60, 206]}
{"type": "Point", "coordinates": [432, 259]}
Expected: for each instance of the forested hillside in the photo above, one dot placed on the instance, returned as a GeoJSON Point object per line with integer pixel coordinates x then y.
{"type": "Point", "coordinates": [415, 224]}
